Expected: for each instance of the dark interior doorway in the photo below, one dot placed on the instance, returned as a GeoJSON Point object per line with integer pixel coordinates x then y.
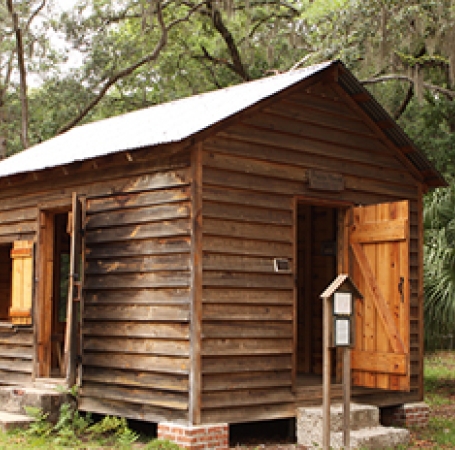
{"type": "Point", "coordinates": [60, 291]}
{"type": "Point", "coordinates": [316, 269]}
{"type": "Point", "coordinates": [6, 277]}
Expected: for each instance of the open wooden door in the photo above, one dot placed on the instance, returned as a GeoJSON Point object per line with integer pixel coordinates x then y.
{"type": "Point", "coordinates": [379, 242]}
{"type": "Point", "coordinates": [74, 291]}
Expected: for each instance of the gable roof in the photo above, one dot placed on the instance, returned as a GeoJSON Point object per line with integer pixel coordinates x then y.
{"type": "Point", "coordinates": [337, 283]}
{"type": "Point", "coordinates": [184, 118]}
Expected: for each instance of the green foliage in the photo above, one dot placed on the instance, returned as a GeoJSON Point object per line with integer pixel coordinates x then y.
{"type": "Point", "coordinates": [73, 428]}
{"type": "Point", "coordinates": [412, 61]}
{"type": "Point", "coordinates": [439, 265]}
{"type": "Point", "coordinates": [114, 425]}
{"type": "Point", "coordinates": [432, 128]}
{"type": "Point", "coordinates": [40, 426]}
{"type": "Point", "coordinates": [70, 426]}
{"type": "Point", "coordinates": [161, 444]}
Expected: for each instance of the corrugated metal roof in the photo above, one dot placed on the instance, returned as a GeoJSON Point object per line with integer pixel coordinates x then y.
{"type": "Point", "coordinates": [181, 119]}
{"type": "Point", "coordinates": [161, 124]}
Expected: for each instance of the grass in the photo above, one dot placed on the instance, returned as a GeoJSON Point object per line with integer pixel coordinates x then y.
{"type": "Point", "coordinates": [439, 379]}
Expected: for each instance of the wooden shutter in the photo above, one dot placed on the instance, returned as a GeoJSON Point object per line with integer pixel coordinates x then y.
{"type": "Point", "coordinates": [74, 290]}
{"type": "Point", "coordinates": [379, 241]}
{"type": "Point", "coordinates": [22, 283]}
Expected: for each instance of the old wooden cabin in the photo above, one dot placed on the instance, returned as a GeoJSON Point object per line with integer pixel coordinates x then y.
{"type": "Point", "coordinates": [207, 229]}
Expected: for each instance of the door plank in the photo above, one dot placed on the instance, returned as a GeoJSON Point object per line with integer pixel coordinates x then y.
{"type": "Point", "coordinates": [384, 313]}
{"type": "Point", "coordinates": [392, 230]}
{"type": "Point", "coordinates": [379, 362]}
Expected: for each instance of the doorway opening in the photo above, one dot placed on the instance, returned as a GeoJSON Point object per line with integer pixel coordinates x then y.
{"type": "Point", "coordinates": [316, 268]}
{"type": "Point", "coordinates": [55, 263]}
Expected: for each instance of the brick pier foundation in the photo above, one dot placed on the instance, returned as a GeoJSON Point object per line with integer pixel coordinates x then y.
{"type": "Point", "coordinates": [407, 415]}
{"type": "Point", "coordinates": [200, 437]}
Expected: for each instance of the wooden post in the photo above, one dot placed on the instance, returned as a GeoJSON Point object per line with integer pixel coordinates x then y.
{"type": "Point", "coordinates": [326, 377]}
{"type": "Point", "coordinates": [194, 413]}
{"type": "Point", "coordinates": [347, 398]}
{"type": "Point", "coordinates": [74, 291]}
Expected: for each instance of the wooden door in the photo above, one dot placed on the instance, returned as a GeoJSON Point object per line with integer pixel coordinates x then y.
{"type": "Point", "coordinates": [45, 269]}
{"type": "Point", "coordinates": [74, 290]}
{"type": "Point", "coordinates": [379, 242]}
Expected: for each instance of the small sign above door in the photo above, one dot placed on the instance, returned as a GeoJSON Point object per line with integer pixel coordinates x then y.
{"type": "Point", "coordinates": [325, 181]}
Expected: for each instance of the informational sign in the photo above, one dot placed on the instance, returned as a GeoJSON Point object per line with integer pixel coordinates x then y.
{"type": "Point", "coordinates": [342, 304]}
{"type": "Point", "coordinates": [342, 332]}
{"type": "Point", "coordinates": [325, 181]}
{"type": "Point", "coordinates": [338, 331]}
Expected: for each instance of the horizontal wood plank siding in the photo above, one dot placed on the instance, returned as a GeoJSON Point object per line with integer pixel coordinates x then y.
{"type": "Point", "coordinates": [16, 355]}
{"type": "Point", "coordinates": [17, 223]}
{"type": "Point", "coordinates": [251, 173]}
{"type": "Point", "coordinates": [136, 325]}
{"type": "Point", "coordinates": [137, 313]}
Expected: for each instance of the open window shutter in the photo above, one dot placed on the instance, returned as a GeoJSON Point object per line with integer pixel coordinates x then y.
{"type": "Point", "coordinates": [74, 291]}
{"type": "Point", "coordinates": [379, 241]}
{"type": "Point", "coordinates": [22, 283]}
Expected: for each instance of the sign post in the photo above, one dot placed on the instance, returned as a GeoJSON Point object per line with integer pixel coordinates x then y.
{"type": "Point", "coordinates": [326, 370]}
{"type": "Point", "coordinates": [338, 311]}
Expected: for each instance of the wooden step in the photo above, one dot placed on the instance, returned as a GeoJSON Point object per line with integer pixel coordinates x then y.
{"type": "Point", "coordinates": [9, 421]}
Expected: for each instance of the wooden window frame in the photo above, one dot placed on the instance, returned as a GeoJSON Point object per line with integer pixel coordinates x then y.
{"type": "Point", "coordinates": [19, 317]}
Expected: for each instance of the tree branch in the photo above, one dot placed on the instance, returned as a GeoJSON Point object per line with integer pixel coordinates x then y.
{"type": "Point", "coordinates": [22, 73]}
{"type": "Point", "coordinates": [221, 61]}
{"type": "Point", "coordinates": [130, 69]}
{"type": "Point", "coordinates": [400, 77]}
{"type": "Point", "coordinates": [237, 65]}
{"type": "Point", "coordinates": [8, 74]}
{"type": "Point", "coordinates": [34, 14]}
{"type": "Point", "coordinates": [261, 22]}
{"type": "Point", "coordinates": [404, 104]}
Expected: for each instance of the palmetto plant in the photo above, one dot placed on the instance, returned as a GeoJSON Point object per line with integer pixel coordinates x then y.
{"type": "Point", "coordinates": [439, 266]}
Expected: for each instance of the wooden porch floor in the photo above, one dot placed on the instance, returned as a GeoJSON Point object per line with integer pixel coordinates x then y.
{"type": "Point", "coordinates": [308, 390]}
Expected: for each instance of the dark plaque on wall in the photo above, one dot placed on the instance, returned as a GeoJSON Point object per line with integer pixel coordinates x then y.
{"type": "Point", "coordinates": [325, 181]}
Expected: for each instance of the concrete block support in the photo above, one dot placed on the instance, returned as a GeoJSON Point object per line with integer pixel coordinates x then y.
{"type": "Point", "coordinates": [201, 437]}
{"type": "Point", "coordinates": [407, 415]}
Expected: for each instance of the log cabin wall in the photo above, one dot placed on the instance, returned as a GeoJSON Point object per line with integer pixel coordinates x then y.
{"type": "Point", "coordinates": [136, 314]}
{"type": "Point", "coordinates": [251, 173]}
